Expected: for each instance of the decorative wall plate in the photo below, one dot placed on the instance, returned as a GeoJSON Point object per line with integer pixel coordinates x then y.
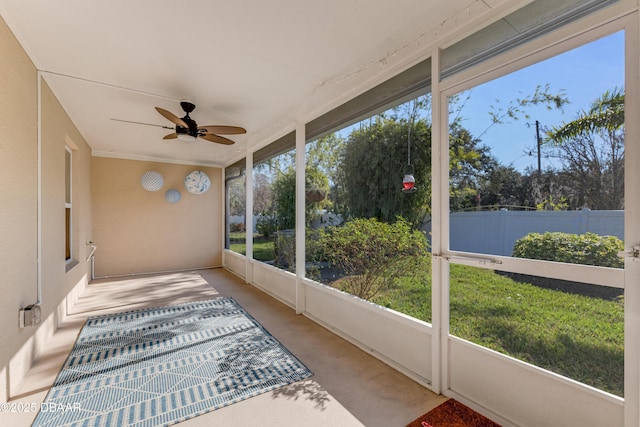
{"type": "Point", "coordinates": [152, 181]}
{"type": "Point", "coordinates": [197, 182]}
{"type": "Point", "coordinates": [172, 196]}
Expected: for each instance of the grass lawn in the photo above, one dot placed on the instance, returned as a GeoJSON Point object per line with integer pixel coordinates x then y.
{"type": "Point", "coordinates": [262, 247]}
{"type": "Point", "coordinates": [576, 336]}
{"type": "Point", "coordinates": [573, 335]}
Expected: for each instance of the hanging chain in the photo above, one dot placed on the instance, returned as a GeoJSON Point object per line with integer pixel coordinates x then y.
{"type": "Point", "coordinates": [409, 146]}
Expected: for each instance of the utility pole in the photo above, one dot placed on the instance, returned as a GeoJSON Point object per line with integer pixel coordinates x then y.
{"type": "Point", "coordinates": [539, 142]}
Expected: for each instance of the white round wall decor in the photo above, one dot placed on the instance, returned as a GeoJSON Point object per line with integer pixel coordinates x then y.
{"type": "Point", "coordinates": [172, 196]}
{"type": "Point", "coordinates": [197, 182]}
{"type": "Point", "coordinates": [152, 181]}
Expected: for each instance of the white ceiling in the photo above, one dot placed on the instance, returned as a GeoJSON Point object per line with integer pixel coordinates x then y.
{"type": "Point", "coordinates": [259, 64]}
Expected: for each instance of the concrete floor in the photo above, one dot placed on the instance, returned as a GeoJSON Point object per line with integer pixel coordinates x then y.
{"type": "Point", "coordinates": [349, 387]}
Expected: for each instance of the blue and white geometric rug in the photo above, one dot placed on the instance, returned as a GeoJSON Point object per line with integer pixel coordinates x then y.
{"type": "Point", "coordinates": [160, 366]}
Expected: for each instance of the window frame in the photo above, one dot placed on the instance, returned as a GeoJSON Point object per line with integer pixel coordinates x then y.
{"type": "Point", "coordinates": [68, 205]}
{"type": "Point", "coordinates": [547, 46]}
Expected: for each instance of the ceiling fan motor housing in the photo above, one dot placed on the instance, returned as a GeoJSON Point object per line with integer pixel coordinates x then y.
{"type": "Point", "coordinates": [191, 130]}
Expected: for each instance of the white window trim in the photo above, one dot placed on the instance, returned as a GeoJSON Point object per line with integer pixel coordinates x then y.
{"type": "Point", "coordinates": [69, 205]}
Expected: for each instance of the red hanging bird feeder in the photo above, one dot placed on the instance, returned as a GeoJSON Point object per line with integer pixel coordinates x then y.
{"type": "Point", "coordinates": [409, 181]}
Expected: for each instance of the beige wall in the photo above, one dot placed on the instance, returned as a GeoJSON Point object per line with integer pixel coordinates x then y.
{"type": "Point", "coordinates": [18, 195]}
{"type": "Point", "coordinates": [137, 231]}
{"type": "Point", "coordinates": [57, 132]}
{"type": "Point", "coordinates": [20, 210]}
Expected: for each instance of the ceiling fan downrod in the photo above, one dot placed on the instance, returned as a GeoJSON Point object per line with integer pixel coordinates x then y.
{"type": "Point", "coordinates": [192, 130]}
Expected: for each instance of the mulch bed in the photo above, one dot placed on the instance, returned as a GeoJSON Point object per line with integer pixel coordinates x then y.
{"type": "Point", "coordinates": [578, 288]}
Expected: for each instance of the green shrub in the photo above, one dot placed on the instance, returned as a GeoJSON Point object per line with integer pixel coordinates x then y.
{"type": "Point", "coordinates": [314, 248]}
{"type": "Point", "coordinates": [588, 248]}
{"type": "Point", "coordinates": [284, 249]}
{"type": "Point", "coordinates": [373, 254]}
{"type": "Point", "coordinates": [266, 224]}
{"type": "Point", "coordinates": [236, 227]}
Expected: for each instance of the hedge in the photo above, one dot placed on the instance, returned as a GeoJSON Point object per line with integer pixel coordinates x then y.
{"type": "Point", "coordinates": [587, 249]}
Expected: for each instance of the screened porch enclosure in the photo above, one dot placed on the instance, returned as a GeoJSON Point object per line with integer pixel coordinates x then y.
{"type": "Point", "coordinates": [504, 332]}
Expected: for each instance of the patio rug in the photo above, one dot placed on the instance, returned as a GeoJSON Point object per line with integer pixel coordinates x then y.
{"type": "Point", "coordinates": [164, 365]}
{"type": "Point", "coordinates": [452, 414]}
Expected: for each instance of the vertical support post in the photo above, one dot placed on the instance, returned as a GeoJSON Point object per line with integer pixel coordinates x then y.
{"type": "Point", "coordinates": [300, 217]}
{"type": "Point", "coordinates": [632, 225]}
{"type": "Point", "coordinates": [225, 209]}
{"type": "Point", "coordinates": [39, 207]}
{"type": "Point", "coordinates": [538, 144]}
{"type": "Point", "coordinates": [248, 277]}
{"type": "Point", "coordinates": [439, 228]}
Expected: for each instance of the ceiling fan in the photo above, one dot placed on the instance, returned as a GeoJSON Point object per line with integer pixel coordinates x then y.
{"type": "Point", "coordinates": [186, 129]}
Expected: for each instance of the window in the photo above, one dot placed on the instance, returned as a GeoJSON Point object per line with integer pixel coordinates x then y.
{"type": "Point", "coordinates": [364, 232]}
{"type": "Point", "coordinates": [67, 203]}
{"type": "Point", "coordinates": [537, 174]}
{"type": "Point", "coordinates": [274, 208]}
{"type": "Point", "coordinates": [357, 158]}
{"type": "Point", "coordinates": [235, 212]}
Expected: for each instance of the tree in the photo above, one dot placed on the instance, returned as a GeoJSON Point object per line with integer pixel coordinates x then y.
{"type": "Point", "coordinates": [261, 193]}
{"type": "Point", "coordinates": [517, 108]}
{"type": "Point", "coordinates": [284, 199]}
{"type": "Point", "coordinates": [375, 157]}
{"type": "Point", "coordinates": [504, 186]}
{"type": "Point", "coordinates": [372, 165]}
{"type": "Point", "coordinates": [469, 164]}
{"type": "Point", "coordinates": [477, 179]}
{"type": "Point", "coordinates": [284, 196]}
{"type": "Point", "coordinates": [549, 189]}
{"type": "Point", "coordinates": [591, 149]}
{"type": "Point", "coordinates": [237, 199]}
{"type": "Point", "coordinates": [323, 154]}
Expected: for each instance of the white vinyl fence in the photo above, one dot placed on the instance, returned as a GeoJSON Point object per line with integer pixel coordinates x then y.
{"type": "Point", "coordinates": [324, 220]}
{"type": "Point", "coordinates": [495, 232]}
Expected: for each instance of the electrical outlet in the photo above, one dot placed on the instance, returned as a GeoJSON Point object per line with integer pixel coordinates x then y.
{"type": "Point", "coordinates": [29, 315]}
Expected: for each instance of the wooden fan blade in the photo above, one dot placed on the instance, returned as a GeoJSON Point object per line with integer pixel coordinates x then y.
{"type": "Point", "coordinates": [141, 123]}
{"type": "Point", "coordinates": [172, 117]}
{"type": "Point", "coordinates": [171, 136]}
{"type": "Point", "coordinates": [217, 138]}
{"type": "Point", "coordinates": [223, 130]}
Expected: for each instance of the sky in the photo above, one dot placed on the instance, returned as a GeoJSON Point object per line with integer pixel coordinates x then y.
{"type": "Point", "coordinates": [583, 74]}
